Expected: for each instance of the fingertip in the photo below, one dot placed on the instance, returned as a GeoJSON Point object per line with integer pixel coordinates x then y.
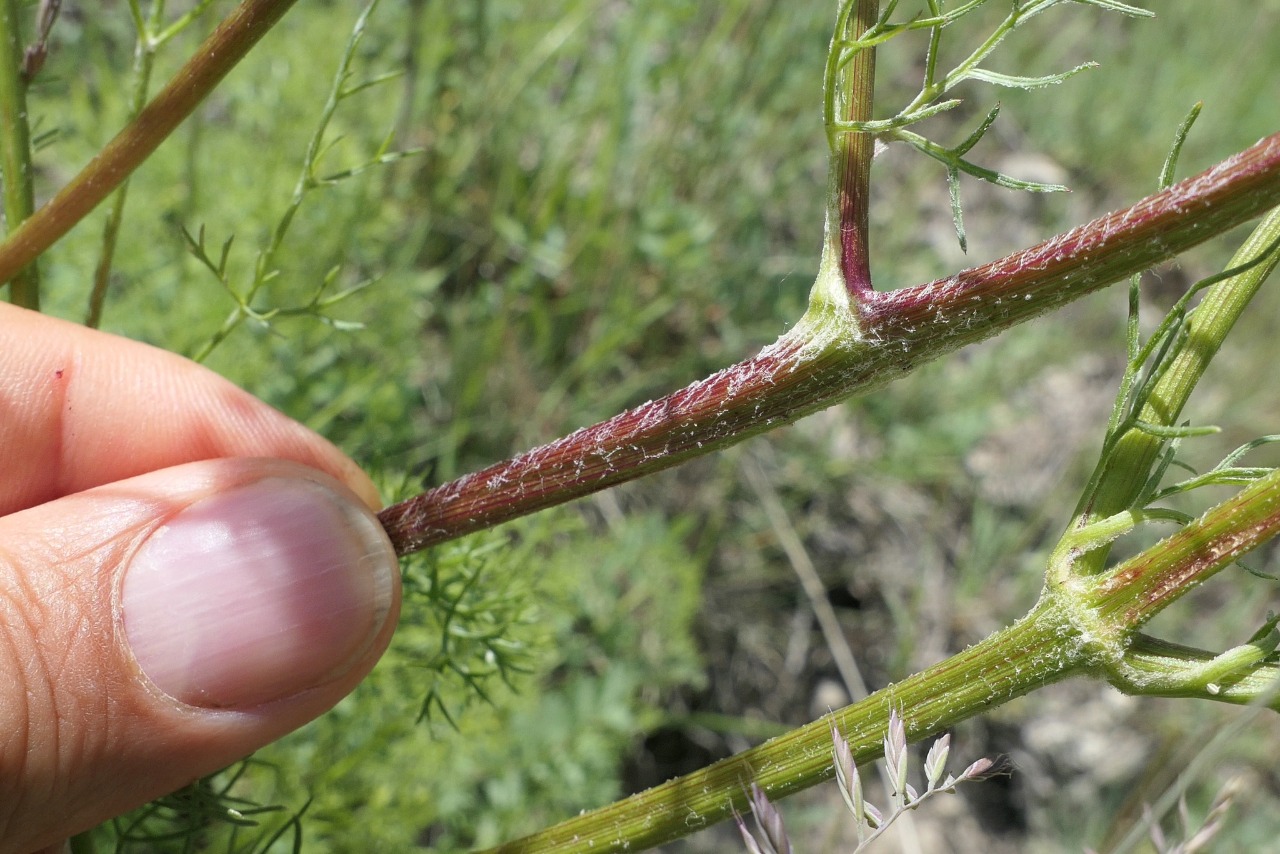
{"type": "Point", "coordinates": [257, 593]}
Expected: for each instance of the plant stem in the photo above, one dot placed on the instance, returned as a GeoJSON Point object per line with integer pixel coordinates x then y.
{"type": "Point", "coordinates": [1086, 627]}
{"type": "Point", "coordinates": [1123, 471]}
{"type": "Point", "coordinates": [1144, 585]}
{"type": "Point", "coordinates": [15, 152]}
{"type": "Point", "coordinates": [1031, 653]}
{"type": "Point", "coordinates": [219, 53]}
{"type": "Point", "coordinates": [144, 54]}
{"type": "Point", "coordinates": [839, 349]}
{"type": "Point", "coordinates": [264, 268]}
{"type": "Point", "coordinates": [851, 91]}
{"type": "Point", "coordinates": [1149, 662]}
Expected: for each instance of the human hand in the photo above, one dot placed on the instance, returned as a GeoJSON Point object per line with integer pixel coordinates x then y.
{"type": "Point", "coordinates": [185, 576]}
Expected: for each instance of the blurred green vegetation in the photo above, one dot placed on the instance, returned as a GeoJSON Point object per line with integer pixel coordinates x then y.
{"type": "Point", "coordinates": [613, 200]}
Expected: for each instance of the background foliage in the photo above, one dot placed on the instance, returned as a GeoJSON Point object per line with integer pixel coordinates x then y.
{"type": "Point", "coordinates": [614, 199]}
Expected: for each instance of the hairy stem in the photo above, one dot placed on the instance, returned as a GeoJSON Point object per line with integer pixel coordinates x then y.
{"type": "Point", "coordinates": [219, 53]}
{"type": "Point", "coordinates": [1031, 653]}
{"type": "Point", "coordinates": [840, 349]}
{"type": "Point", "coordinates": [1123, 470]}
{"type": "Point", "coordinates": [851, 92]}
{"type": "Point", "coordinates": [1087, 627]}
{"type": "Point", "coordinates": [1149, 662]}
{"type": "Point", "coordinates": [1144, 585]}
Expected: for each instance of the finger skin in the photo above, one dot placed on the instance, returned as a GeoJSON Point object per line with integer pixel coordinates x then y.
{"type": "Point", "coordinates": [83, 735]}
{"type": "Point", "coordinates": [80, 408]}
{"type": "Point", "coordinates": [90, 426]}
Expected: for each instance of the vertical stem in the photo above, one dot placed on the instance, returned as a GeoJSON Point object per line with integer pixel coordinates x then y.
{"type": "Point", "coordinates": [144, 55]}
{"type": "Point", "coordinates": [15, 149]}
{"type": "Point", "coordinates": [264, 267]}
{"type": "Point", "coordinates": [851, 167]}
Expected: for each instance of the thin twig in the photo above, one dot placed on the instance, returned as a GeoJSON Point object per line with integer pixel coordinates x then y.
{"type": "Point", "coordinates": [219, 53]}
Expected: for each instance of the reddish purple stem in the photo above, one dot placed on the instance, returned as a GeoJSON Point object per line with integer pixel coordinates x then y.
{"type": "Point", "coordinates": [897, 331]}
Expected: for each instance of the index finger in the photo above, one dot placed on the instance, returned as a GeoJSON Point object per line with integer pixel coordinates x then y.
{"type": "Point", "coordinates": [80, 408]}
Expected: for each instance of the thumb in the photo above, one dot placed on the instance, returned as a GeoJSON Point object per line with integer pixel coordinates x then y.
{"type": "Point", "coordinates": [162, 627]}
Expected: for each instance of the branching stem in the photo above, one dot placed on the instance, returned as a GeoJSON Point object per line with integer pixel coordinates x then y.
{"type": "Point", "coordinates": [841, 348]}
{"type": "Point", "coordinates": [144, 54]}
{"type": "Point", "coordinates": [1091, 629]}
{"type": "Point", "coordinates": [1124, 466]}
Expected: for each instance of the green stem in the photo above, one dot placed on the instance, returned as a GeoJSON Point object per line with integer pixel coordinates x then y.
{"type": "Point", "coordinates": [1087, 626]}
{"type": "Point", "coordinates": [1033, 652]}
{"type": "Point", "coordinates": [1141, 587]}
{"type": "Point", "coordinates": [1124, 468]}
{"type": "Point", "coordinates": [1108, 610]}
{"type": "Point", "coordinates": [265, 266]}
{"type": "Point", "coordinates": [1155, 667]}
{"type": "Point", "coordinates": [15, 152]}
{"type": "Point", "coordinates": [144, 55]}
{"type": "Point", "coordinates": [935, 88]}
{"type": "Point", "coordinates": [212, 61]}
